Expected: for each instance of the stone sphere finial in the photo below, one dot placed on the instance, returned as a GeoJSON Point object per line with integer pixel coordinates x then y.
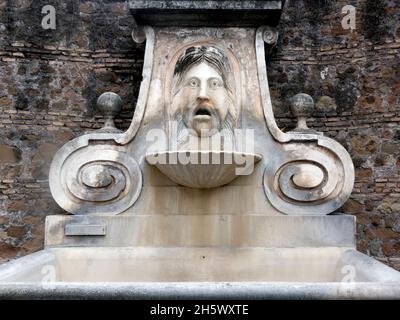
{"type": "Point", "coordinates": [138, 34]}
{"type": "Point", "coordinates": [302, 107]}
{"type": "Point", "coordinates": [110, 105]}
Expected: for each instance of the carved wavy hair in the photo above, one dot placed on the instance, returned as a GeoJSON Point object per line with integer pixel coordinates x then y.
{"type": "Point", "coordinates": [198, 54]}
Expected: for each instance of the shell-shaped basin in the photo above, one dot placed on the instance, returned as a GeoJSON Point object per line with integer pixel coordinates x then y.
{"type": "Point", "coordinates": [203, 169]}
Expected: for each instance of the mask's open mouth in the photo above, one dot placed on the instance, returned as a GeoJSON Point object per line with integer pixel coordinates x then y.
{"type": "Point", "coordinates": [202, 112]}
{"type": "Point", "coordinates": [204, 120]}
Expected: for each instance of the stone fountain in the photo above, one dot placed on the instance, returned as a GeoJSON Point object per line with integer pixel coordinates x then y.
{"type": "Point", "coordinates": [203, 196]}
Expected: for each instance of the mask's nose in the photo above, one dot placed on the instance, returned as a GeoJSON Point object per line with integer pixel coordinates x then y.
{"type": "Point", "coordinates": [203, 93]}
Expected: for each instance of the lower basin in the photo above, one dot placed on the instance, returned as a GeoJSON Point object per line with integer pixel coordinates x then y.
{"type": "Point", "coordinates": [144, 272]}
{"type": "Point", "coordinates": [199, 257]}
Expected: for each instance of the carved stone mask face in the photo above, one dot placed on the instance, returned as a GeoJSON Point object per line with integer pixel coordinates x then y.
{"type": "Point", "coordinates": [204, 99]}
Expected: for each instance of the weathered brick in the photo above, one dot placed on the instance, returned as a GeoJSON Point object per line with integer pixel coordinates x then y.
{"type": "Point", "coordinates": [9, 154]}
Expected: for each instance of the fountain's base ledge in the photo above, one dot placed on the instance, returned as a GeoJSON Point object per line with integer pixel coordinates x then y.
{"type": "Point", "coordinates": [202, 291]}
{"type": "Point", "coordinates": [186, 230]}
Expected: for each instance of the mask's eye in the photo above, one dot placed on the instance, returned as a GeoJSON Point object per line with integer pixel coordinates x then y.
{"type": "Point", "coordinates": [194, 83]}
{"type": "Point", "coordinates": [215, 83]}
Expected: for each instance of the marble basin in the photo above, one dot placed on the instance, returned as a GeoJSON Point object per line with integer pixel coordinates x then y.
{"type": "Point", "coordinates": [203, 169]}
{"type": "Point", "coordinates": [87, 257]}
{"type": "Point", "coordinates": [138, 273]}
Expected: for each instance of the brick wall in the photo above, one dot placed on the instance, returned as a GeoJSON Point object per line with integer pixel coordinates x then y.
{"type": "Point", "coordinates": [49, 83]}
{"type": "Point", "coordinates": [354, 78]}
{"type": "Point", "coordinates": [50, 79]}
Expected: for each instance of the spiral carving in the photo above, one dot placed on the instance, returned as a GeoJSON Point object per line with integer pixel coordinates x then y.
{"type": "Point", "coordinates": [95, 179]}
{"type": "Point", "coordinates": [270, 35]}
{"type": "Point", "coordinates": [308, 182]}
{"type": "Point", "coordinates": [305, 181]}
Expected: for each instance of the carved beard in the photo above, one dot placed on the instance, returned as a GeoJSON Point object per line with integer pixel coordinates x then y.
{"type": "Point", "coordinates": [179, 135]}
{"type": "Point", "coordinates": [180, 128]}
